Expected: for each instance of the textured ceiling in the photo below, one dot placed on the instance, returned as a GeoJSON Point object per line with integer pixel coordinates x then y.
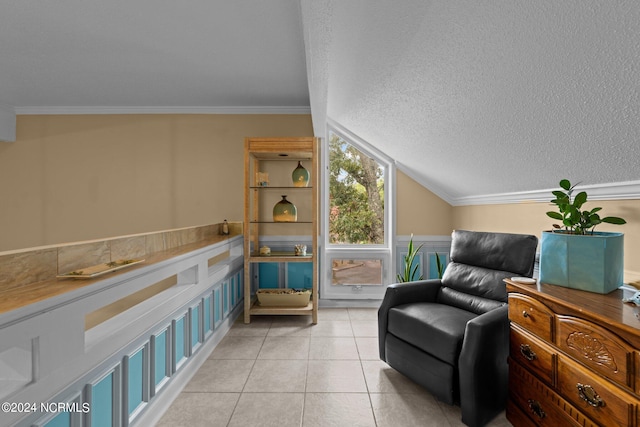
{"type": "Point", "coordinates": [470, 98]}
{"type": "Point", "coordinates": [480, 97]}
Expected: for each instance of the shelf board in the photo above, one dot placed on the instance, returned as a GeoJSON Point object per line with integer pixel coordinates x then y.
{"type": "Point", "coordinates": [273, 187]}
{"type": "Point", "coordinates": [281, 222]}
{"type": "Point", "coordinates": [280, 257]}
{"type": "Point", "coordinates": [306, 310]}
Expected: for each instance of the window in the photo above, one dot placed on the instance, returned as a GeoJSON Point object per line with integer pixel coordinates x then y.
{"type": "Point", "coordinates": [357, 217]}
{"type": "Point", "coordinates": [356, 195]}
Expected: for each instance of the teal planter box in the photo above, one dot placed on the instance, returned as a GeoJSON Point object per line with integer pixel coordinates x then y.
{"type": "Point", "coordinates": [591, 263]}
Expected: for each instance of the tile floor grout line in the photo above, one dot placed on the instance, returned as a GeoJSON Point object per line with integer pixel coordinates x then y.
{"type": "Point", "coordinates": [235, 407]}
{"type": "Point", "coordinates": [366, 383]}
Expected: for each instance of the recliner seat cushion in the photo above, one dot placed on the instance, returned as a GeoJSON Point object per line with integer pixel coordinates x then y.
{"type": "Point", "coordinates": [468, 302]}
{"type": "Point", "coordinates": [434, 328]}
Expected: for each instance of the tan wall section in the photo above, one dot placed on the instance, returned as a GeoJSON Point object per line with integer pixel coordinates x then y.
{"type": "Point", "coordinates": [79, 177]}
{"type": "Point", "coordinates": [419, 211]}
{"type": "Point", "coordinates": [530, 218]}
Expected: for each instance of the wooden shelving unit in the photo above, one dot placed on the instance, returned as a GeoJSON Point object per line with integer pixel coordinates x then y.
{"type": "Point", "coordinates": [281, 156]}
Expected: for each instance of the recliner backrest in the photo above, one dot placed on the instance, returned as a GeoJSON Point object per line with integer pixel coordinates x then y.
{"type": "Point", "coordinates": [479, 261]}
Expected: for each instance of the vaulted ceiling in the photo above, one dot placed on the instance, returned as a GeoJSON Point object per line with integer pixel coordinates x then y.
{"type": "Point", "coordinates": [474, 99]}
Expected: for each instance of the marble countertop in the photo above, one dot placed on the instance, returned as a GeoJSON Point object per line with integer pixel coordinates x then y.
{"type": "Point", "coordinates": [12, 298]}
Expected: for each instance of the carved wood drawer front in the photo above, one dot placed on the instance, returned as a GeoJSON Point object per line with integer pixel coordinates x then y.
{"type": "Point", "coordinates": [541, 403]}
{"type": "Point", "coordinates": [516, 416]}
{"type": "Point", "coordinates": [532, 315]}
{"type": "Point", "coordinates": [637, 377]}
{"type": "Point", "coordinates": [596, 347]}
{"type": "Point", "coordinates": [599, 399]}
{"type": "Point", "coordinates": [532, 353]}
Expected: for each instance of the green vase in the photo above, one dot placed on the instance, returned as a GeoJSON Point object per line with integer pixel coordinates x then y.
{"type": "Point", "coordinates": [285, 211]}
{"type": "Point", "coordinates": [300, 176]}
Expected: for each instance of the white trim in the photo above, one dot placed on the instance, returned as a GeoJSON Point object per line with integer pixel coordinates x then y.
{"type": "Point", "coordinates": [611, 191]}
{"type": "Point", "coordinates": [626, 190]}
{"type": "Point", "coordinates": [361, 144]}
{"type": "Point", "coordinates": [51, 110]}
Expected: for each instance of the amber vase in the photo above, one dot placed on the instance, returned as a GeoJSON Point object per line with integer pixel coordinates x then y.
{"type": "Point", "coordinates": [300, 176]}
{"type": "Point", "coordinates": [285, 211]}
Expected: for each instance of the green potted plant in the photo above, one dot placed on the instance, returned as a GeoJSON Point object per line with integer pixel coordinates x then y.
{"type": "Point", "coordinates": [409, 271]}
{"type": "Point", "coordinates": [573, 254]}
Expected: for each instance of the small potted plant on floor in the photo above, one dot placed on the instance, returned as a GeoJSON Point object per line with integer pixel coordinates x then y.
{"type": "Point", "coordinates": [573, 255]}
{"type": "Point", "coordinates": [410, 271]}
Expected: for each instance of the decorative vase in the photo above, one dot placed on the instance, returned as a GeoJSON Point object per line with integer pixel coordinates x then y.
{"type": "Point", "coordinates": [300, 176]}
{"type": "Point", "coordinates": [591, 263]}
{"type": "Point", "coordinates": [285, 211]}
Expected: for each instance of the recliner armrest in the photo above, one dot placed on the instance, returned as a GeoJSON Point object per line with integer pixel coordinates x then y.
{"type": "Point", "coordinates": [483, 368]}
{"type": "Point", "coordinates": [403, 293]}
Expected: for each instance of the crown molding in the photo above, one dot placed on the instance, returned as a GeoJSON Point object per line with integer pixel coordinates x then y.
{"type": "Point", "coordinates": [626, 190]}
{"type": "Point", "coordinates": [613, 191]}
{"type": "Point", "coordinates": [53, 110]}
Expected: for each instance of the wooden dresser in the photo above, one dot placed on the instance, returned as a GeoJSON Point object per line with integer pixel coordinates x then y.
{"type": "Point", "coordinates": [574, 358]}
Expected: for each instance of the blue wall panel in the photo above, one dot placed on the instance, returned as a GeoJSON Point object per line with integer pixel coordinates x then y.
{"type": "Point", "coordinates": [102, 402]}
{"type": "Point", "coordinates": [433, 265]}
{"type": "Point", "coordinates": [217, 306]}
{"type": "Point", "coordinates": [195, 326]}
{"type": "Point", "coordinates": [268, 275]}
{"type": "Point", "coordinates": [299, 275]}
{"type": "Point", "coordinates": [63, 419]}
{"type": "Point", "coordinates": [135, 383]}
{"type": "Point", "coordinates": [160, 351]}
{"type": "Point", "coordinates": [206, 312]}
{"type": "Point", "coordinates": [179, 342]}
{"type": "Point", "coordinates": [233, 291]}
{"type": "Point", "coordinates": [225, 297]}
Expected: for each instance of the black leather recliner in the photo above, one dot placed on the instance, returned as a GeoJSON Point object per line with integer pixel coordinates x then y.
{"type": "Point", "coordinates": [452, 335]}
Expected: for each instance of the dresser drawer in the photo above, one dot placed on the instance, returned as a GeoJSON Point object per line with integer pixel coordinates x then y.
{"type": "Point", "coordinates": [532, 353]}
{"type": "Point", "coordinates": [597, 348]}
{"type": "Point", "coordinates": [532, 315]}
{"type": "Point", "coordinates": [517, 417]}
{"type": "Point", "coordinates": [637, 375]}
{"type": "Point", "coordinates": [541, 403]}
{"type": "Point", "coordinates": [599, 399]}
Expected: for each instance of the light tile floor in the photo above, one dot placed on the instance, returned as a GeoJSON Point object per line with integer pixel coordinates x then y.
{"type": "Point", "coordinates": [283, 371]}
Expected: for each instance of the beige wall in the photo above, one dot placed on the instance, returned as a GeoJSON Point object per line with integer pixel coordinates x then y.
{"type": "Point", "coordinates": [530, 218]}
{"type": "Point", "coordinates": [69, 178]}
{"type": "Point", "coordinates": [419, 211]}
{"type": "Point", "coordinates": [80, 177]}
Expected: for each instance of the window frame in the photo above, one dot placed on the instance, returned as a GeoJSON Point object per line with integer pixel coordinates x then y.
{"type": "Point", "coordinates": [384, 251]}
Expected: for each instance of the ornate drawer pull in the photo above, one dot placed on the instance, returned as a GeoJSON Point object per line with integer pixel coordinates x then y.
{"type": "Point", "coordinates": [527, 353]}
{"type": "Point", "coordinates": [535, 407]}
{"type": "Point", "coordinates": [525, 314]}
{"type": "Point", "coordinates": [589, 395]}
